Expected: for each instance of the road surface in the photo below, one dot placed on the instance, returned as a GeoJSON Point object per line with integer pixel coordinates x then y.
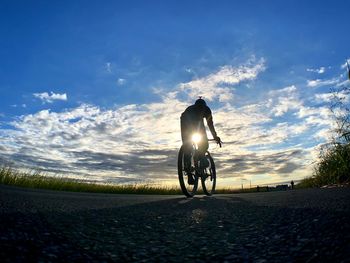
{"type": "Point", "coordinates": [50, 226]}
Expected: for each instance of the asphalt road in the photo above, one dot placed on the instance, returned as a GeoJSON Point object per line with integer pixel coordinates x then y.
{"type": "Point", "coordinates": [292, 226]}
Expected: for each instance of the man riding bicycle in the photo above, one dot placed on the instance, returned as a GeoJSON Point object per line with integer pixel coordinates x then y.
{"type": "Point", "coordinates": [192, 123]}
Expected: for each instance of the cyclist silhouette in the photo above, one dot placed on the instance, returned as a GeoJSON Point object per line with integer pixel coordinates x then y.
{"type": "Point", "coordinates": [192, 123]}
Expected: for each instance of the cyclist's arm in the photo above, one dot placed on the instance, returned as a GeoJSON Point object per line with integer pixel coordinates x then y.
{"type": "Point", "coordinates": [210, 123]}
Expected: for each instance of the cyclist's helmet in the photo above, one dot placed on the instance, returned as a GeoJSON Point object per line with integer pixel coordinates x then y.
{"type": "Point", "coordinates": [200, 102]}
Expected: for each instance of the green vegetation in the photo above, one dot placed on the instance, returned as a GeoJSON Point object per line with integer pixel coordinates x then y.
{"type": "Point", "coordinates": [334, 162]}
{"type": "Point", "coordinates": [245, 190]}
{"type": "Point", "coordinates": [333, 167]}
{"type": "Point", "coordinates": [9, 176]}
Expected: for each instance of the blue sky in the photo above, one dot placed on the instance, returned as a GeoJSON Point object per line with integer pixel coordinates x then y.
{"type": "Point", "coordinates": [95, 89]}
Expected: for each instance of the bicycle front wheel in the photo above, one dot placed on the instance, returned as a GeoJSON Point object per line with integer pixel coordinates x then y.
{"type": "Point", "coordinates": [209, 177]}
{"type": "Point", "coordinates": [188, 189]}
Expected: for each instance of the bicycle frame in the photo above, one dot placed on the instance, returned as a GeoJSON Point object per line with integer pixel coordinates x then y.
{"type": "Point", "coordinates": [199, 171]}
{"type": "Point", "coordinates": [204, 173]}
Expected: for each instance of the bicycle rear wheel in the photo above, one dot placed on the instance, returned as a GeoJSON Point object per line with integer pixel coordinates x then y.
{"type": "Point", "coordinates": [209, 177]}
{"type": "Point", "coordinates": [188, 189]}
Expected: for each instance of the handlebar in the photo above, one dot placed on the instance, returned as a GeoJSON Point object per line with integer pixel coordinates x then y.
{"type": "Point", "coordinates": [213, 140]}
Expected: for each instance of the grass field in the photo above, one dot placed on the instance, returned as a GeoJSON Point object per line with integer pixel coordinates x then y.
{"type": "Point", "coordinates": [10, 176]}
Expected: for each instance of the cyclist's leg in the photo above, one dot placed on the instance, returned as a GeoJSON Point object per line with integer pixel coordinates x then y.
{"type": "Point", "coordinates": [203, 148]}
{"type": "Point", "coordinates": [203, 144]}
{"type": "Point", "coordinates": [187, 157]}
{"type": "Point", "coordinates": [186, 134]}
{"type": "Point", "coordinates": [186, 142]}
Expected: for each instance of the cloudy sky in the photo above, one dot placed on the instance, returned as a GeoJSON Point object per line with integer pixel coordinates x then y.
{"type": "Point", "coordinates": [95, 89]}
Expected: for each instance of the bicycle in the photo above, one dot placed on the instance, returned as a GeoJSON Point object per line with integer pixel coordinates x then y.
{"type": "Point", "coordinates": [207, 175]}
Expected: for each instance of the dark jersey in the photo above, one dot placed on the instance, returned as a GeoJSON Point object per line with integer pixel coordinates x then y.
{"type": "Point", "coordinates": [193, 117]}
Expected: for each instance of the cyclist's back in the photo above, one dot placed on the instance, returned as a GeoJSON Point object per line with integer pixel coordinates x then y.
{"type": "Point", "coordinates": [193, 117]}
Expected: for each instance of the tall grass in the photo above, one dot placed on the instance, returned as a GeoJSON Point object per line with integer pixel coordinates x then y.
{"type": "Point", "coordinates": [10, 176]}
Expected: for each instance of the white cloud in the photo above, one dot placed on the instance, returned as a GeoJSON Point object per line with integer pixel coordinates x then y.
{"type": "Point", "coordinates": [322, 134]}
{"type": "Point", "coordinates": [218, 85]}
{"type": "Point", "coordinates": [108, 67]}
{"type": "Point", "coordinates": [45, 97]}
{"type": "Point", "coordinates": [320, 70]}
{"type": "Point", "coordinates": [189, 70]}
{"type": "Point", "coordinates": [284, 100]}
{"type": "Point", "coordinates": [23, 105]}
{"type": "Point", "coordinates": [345, 64]}
{"type": "Point", "coordinates": [121, 81]}
{"type": "Point", "coordinates": [319, 82]}
{"type": "Point", "coordinates": [332, 96]}
{"type": "Point", "coordinates": [316, 116]}
{"type": "Point", "coordinates": [287, 91]}
{"type": "Point", "coordinates": [324, 97]}
{"type": "Point", "coordinates": [343, 83]}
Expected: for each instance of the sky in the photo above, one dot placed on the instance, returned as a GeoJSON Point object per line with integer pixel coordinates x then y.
{"type": "Point", "coordinates": [94, 89]}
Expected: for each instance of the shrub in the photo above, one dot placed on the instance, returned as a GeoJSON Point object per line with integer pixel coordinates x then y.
{"type": "Point", "coordinates": [334, 164]}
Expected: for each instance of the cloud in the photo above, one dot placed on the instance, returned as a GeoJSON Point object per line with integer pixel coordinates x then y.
{"type": "Point", "coordinates": [219, 85]}
{"type": "Point", "coordinates": [284, 100]}
{"type": "Point", "coordinates": [324, 97]}
{"type": "Point", "coordinates": [274, 163]}
{"type": "Point", "coordinates": [320, 70]}
{"type": "Point", "coordinates": [287, 168]}
{"type": "Point", "coordinates": [108, 67]}
{"type": "Point", "coordinates": [316, 116]}
{"type": "Point", "coordinates": [319, 82]}
{"type": "Point", "coordinates": [121, 81]}
{"type": "Point", "coordinates": [189, 70]}
{"type": "Point", "coordinates": [99, 142]}
{"type": "Point", "coordinates": [45, 97]}
{"type": "Point", "coordinates": [23, 105]}
{"type": "Point", "coordinates": [342, 95]}
{"type": "Point", "coordinates": [345, 64]}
